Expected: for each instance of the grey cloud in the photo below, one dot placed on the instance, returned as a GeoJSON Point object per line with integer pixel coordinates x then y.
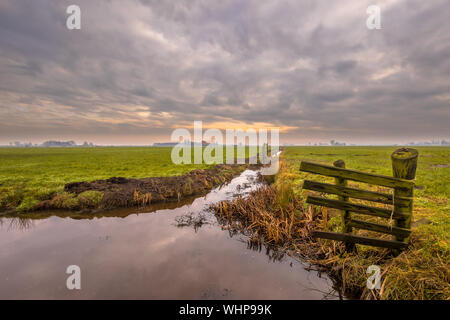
{"type": "Point", "coordinates": [298, 64]}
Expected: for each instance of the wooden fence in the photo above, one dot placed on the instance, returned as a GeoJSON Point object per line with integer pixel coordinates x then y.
{"type": "Point", "coordinates": [404, 164]}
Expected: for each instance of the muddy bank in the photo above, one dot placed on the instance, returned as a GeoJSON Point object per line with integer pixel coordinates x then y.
{"type": "Point", "coordinates": [119, 192]}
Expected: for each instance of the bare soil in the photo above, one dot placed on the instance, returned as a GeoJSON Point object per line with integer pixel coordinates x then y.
{"type": "Point", "coordinates": [122, 192]}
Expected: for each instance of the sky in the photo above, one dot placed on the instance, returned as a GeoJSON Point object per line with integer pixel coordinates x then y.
{"type": "Point", "coordinates": [139, 69]}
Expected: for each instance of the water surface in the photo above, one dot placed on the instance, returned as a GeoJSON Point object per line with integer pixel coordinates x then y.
{"type": "Point", "coordinates": [148, 256]}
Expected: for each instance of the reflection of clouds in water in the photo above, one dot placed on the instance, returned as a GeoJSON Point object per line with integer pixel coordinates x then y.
{"type": "Point", "coordinates": [199, 213]}
{"type": "Point", "coordinates": [146, 256]}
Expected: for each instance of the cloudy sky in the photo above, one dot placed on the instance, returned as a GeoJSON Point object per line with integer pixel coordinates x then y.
{"type": "Point", "coordinates": [138, 69]}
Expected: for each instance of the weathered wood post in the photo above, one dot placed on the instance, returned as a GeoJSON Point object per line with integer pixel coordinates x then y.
{"type": "Point", "coordinates": [346, 216]}
{"type": "Point", "coordinates": [404, 165]}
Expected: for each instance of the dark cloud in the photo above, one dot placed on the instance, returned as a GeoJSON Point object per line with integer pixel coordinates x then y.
{"type": "Point", "coordinates": [137, 69]}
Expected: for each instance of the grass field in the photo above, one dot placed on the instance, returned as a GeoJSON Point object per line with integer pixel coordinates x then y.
{"type": "Point", "coordinates": [422, 272]}
{"type": "Point", "coordinates": [28, 175]}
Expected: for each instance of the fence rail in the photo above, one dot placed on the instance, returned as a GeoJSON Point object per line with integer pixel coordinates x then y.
{"type": "Point", "coordinates": [353, 207]}
{"type": "Point", "coordinates": [355, 193]}
{"type": "Point", "coordinates": [371, 226]}
{"type": "Point", "coordinates": [361, 240]}
{"type": "Point", "coordinates": [354, 175]}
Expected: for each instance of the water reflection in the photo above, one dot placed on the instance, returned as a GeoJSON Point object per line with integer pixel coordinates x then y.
{"type": "Point", "coordinates": [274, 254]}
{"type": "Point", "coordinates": [19, 223]}
{"type": "Point", "coordinates": [150, 256]}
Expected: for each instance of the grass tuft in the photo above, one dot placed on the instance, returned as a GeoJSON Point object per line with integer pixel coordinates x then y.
{"type": "Point", "coordinates": [90, 199]}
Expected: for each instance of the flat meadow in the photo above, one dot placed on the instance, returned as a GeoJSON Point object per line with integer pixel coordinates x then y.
{"type": "Point", "coordinates": [31, 174]}
{"type": "Point", "coordinates": [28, 175]}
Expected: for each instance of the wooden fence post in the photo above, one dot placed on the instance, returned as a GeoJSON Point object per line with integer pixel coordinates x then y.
{"type": "Point", "coordinates": [346, 216]}
{"type": "Point", "coordinates": [404, 165]}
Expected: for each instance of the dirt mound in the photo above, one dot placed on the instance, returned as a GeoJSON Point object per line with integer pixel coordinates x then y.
{"type": "Point", "coordinates": [123, 192]}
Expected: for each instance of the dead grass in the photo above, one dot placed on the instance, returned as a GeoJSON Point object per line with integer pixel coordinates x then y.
{"type": "Point", "coordinates": [276, 216]}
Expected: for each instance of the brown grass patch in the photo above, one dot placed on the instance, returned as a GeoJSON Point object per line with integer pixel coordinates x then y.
{"type": "Point", "coordinates": [274, 216]}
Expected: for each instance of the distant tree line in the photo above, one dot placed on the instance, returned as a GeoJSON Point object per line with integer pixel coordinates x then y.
{"type": "Point", "coordinates": [51, 143]}
{"type": "Point", "coordinates": [430, 143]}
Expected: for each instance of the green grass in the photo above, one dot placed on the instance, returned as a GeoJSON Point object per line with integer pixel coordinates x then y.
{"type": "Point", "coordinates": [422, 271]}
{"type": "Point", "coordinates": [28, 175]}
